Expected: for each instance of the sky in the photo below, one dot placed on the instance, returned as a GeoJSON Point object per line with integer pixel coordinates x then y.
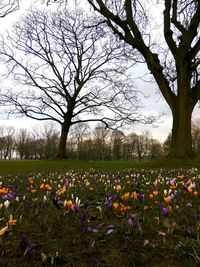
{"type": "Point", "coordinates": [153, 103]}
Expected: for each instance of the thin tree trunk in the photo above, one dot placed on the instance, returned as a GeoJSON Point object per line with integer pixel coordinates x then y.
{"type": "Point", "coordinates": [63, 141]}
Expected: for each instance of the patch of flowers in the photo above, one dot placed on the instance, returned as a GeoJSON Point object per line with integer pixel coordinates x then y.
{"type": "Point", "coordinates": [160, 208]}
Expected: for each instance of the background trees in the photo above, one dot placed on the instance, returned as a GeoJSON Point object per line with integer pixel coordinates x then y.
{"type": "Point", "coordinates": [7, 141]}
{"type": "Point", "coordinates": [84, 143]}
{"type": "Point", "coordinates": [69, 72]}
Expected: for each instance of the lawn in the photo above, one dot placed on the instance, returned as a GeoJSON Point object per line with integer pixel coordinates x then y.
{"type": "Point", "coordinates": [71, 213]}
{"type": "Point", "coordinates": [30, 167]}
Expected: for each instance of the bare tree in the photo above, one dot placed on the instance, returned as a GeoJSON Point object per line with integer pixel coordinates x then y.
{"type": "Point", "coordinates": [117, 138]}
{"type": "Point", "coordinates": [46, 139]}
{"type": "Point", "coordinates": [8, 6]}
{"type": "Point", "coordinates": [175, 65]}
{"type": "Point", "coordinates": [196, 136]}
{"type": "Point", "coordinates": [68, 72]}
{"type": "Point", "coordinates": [101, 135]}
{"type": "Point", "coordinates": [23, 144]}
{"type": "Point", "coordinates": [7, 141]}
{"type": "Point", "coordinates": [79, 132]}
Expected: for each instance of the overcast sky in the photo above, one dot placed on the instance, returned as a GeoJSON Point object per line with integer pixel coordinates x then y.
{"type": "Point", "coordinates": [153, 102]}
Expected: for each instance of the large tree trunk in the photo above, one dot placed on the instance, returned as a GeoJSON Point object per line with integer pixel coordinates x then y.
{"type": "Point", "coordinates": [63, 141]}
{"type": "Point", "coordinates": [181, 143]}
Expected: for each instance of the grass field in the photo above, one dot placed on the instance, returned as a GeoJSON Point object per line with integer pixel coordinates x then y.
{"type": "Point", "coordinates": [28, 167]}
{"type": "Point", "coordinates": [86, 213]}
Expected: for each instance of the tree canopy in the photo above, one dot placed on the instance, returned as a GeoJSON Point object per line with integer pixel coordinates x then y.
{"type": "Point", "coordinates": [69, 71]}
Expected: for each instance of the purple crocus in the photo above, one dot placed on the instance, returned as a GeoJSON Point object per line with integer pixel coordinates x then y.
{"type": "Point", "coordinates": [110, 229]}
{"type": "Point", "coordinates": [165, 212]}
{"type": "Point", "coordinates": [84, 216]}
{"type": "Point", "coordinates": [24, 241]}
{"type": "Point", "coordinates": [130, 221]}
{"type": "Point", "coordinates": [76, 208]}
{"type": "Point", "coordinates": [140, 197]}
{"type": "Point", "coordinates": [94, 229]}
{"type": "Point", "coordinates": [31, 247]}
{"type": "Point", "coordinates": [25, 247]}
{"type": "Point", "coordinates": [108, 202]}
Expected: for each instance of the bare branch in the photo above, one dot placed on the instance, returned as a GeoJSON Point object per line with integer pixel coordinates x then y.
{"type": "Point", "coordinates": [8, 6]}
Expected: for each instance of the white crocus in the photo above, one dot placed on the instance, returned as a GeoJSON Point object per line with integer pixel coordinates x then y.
{"type": "Point", "coordinates": [6, 204]}
{"type": "Point", "coordinates": [165, 192]}
{"type": "Point", "coordinates": [77, 201]}
{"type": "Point", "coordinates": [193, 185]}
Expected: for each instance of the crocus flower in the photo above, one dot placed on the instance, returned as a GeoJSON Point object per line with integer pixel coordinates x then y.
{"type": "Point", "coordinates": [94, 229]}
{"type": "Point", "coordinates": [130, 221]}
{"type": "Point", "coordinates": [76, 208]}
{"type": "Point", "coordinates": [134, 195]}
{"type": "Point", "coordinates": [84, 216]}
{"type": "Point", "coordinates": [23, 244]}
{"type": "Point", "coordinates": [6, 203]}
{"type": "Point", "coordinates": [165, 212]}
{"type": "Point", "coordinates": [150, 196]}
{"type": "Point", "coordinates": [4, 191]}
{"type": "Point", "coordinates": [155, 192]}
{"type": "Point", "coordinates": [140, 197]}
{"type": "Point", "coordinates": [25, 247]}
{"type": "Point", "coordinates": [115, 205]}
{"type": "Point", "coordinates": [167, 199]}
{"type": "Point", "coordinates": [31, 247]}
{"type": "Point", "coordinates": [110, 229]}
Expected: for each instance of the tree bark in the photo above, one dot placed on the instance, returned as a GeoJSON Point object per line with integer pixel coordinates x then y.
{"type": "Point", "coordinates": [181, 143]}
{"type": "Point", "coordinates": [182, 108]}
{"type": "Point", "coordinates": [63, 141]}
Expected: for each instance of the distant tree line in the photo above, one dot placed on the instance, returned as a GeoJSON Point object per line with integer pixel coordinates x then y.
{"type": "Point", "coordinates": [85, 143]}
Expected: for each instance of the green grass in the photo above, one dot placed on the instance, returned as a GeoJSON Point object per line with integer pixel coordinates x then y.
{"type": "Point", "coordinates": [65, 240]}
{"type": "Point", "coordinates": [28, 167]}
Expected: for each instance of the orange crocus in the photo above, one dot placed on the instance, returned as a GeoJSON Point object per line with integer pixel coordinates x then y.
{"type": "Point", "coordinates": [167, 199]}
{"type": "Point", "coordinates": [48, 187]}
{"type": "Point", "coordinates": [173, 187]}
{"type": "Point", "coordinates": [33, 190]}
{"type": "Point", "coordinates": [123, 208]}
{"type": "Point", "coordinates": [4, 191]}
{"type": "Point", "coordinates": [115, 205]}
{"type": "Point", "coordinates": [155, 192]}
{"type": "Point", "coordinates": [62, 191]}
{"type": "Point", "coordinates": [180, 176]}
{"type": "Point", "coordinates": [11, 222]}
{"type": "Point", "coordinates": [42, 186]}
{"type": "Point", "coordinates": [125, 195]}
{"type": "Point", "coordinates": [134, 195]}
{"type": "Point", "coordinates": [69, 203]}
{"type": "Point", "coordinates": [150, 196]}
{"type": "Point", "coordinates": [195, 193]}
{"type": "Point", "coordinates": [189, 190]}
